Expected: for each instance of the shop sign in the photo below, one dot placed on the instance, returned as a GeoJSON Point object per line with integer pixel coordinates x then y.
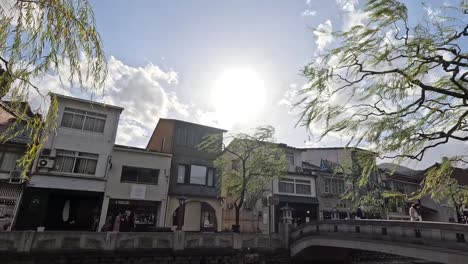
{"type": "Point", "coordinates": [138, 192]}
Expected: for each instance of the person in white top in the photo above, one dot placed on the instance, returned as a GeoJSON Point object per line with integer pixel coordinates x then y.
{"type": "Point", "coordinates": [414, 212]}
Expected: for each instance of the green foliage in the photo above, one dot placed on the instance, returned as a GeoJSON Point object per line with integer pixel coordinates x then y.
{"type": "Point", "coordinates": [45, 37]}
{"type": "Point", "coordinates": [442, 187]}
{"type": "Point", "coordinates": [248, 164]}
{"type": "Point", "coordinates": [391, 87]}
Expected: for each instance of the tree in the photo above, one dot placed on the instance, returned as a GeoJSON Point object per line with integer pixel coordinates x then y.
{"type": "Point", "coordinates": [247, 165]}
{"type": "Point", "coordinates": [442, 187]}
{"type": "Point", "coordinates": [395, 88]}
{"type": "Point", "coordinates": [40, 37]}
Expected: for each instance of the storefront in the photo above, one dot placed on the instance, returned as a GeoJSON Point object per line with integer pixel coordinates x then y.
{"type": "Point", "coordinates": [304, 209]}
{"type": "Point", "coordinates": [54, 209]}
{"type": "Point", "coordinates": [132, 215]}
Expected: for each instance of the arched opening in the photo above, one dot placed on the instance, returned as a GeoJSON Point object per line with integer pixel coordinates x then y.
{"type": "Point", "coordinates": [196, 216]}
{"type": "Point", "coordinates": [208, 221]}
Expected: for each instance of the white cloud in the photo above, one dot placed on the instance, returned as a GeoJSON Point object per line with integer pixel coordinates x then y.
{"type": "Point", "coordinates": [289, 98]}
{"type": "Point", "coordinates": [309, 12]}
{"type": "Point", "coordinates": [144, 92]}
{"type": "Point", "coordinates": [323, 32]}
{"type": "Point", "coordinates": [353, 15]}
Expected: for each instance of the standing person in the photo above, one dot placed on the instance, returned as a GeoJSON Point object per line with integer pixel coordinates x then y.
{"type": "Point", "coordinates": [414, 212]}
{"type": "Point", "coordinates": [359, 214]}
{"type": "Point", "coordinates": [116, 227]}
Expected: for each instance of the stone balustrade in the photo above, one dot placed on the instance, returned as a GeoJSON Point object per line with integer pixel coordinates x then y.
{"type": "Point", "coordinates": [441, 242]}
{"type": "Point", "coordinates": [56, 241]}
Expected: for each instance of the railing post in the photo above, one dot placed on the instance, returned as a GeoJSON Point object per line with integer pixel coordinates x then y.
{"type": "Point", "coordinates": [179, 240]}
{"type": "Point", "coordinates": [237, 240]}
{"type": "Point", "coordinates": [27, 240]}
{"type": "Point", "coordinates": [436, 234]}
{"type": "Point", "coordinates": [111, 241]}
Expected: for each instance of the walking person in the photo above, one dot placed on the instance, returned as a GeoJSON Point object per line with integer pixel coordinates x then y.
{"type": "Point", "coordinates": [414, 212]}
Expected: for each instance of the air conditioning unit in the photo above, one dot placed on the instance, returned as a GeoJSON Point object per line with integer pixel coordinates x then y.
{"type": "Point", "coordinates": [298, 169]}
{"type": "Point", "coordinates": [46, 152]}
{"type": "Point", "coordinates": [15, 176]}
{"type": "Point", "coordinates": [46, 163]}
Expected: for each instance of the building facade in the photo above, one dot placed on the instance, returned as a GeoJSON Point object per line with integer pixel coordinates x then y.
{"type": "Point", "coordinates": [330, 163]}
{"type": "Point", "coordinates": [137, 186]}
{"type": "Point", "coordinates": [68, 178]}
{"type": "Point", "coordinates": [13, 127]}
{"type": "Point", "coordinates": [295, 190]}
{"type": "Point", "coordinates": [193, 202]}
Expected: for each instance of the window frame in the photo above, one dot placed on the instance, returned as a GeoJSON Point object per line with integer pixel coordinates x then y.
{"type": "Point", "coordinates": [2, 157]}
{"type": "Point", "coordinates": [290, 155]}
{"type": "Point", "coordinates": [158, 171]}
{"type": "Point", "coordinates": [188, 173]}
{"type": "Point", "coordinates": [76, 155]}
{"type": "Point", "coordinates": [205, 176]}
{"type": "Point", "coordinates": [333, 186]}
{"type": "Point", "coordinates": [295, 182]}
{"type": "Point", "coordinates": [85, 115]}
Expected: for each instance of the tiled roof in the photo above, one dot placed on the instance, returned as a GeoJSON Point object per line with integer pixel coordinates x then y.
{"type": "Point", "coordinates": [459, 174]}
{"type": "Point", "coordinates": [22, 133]}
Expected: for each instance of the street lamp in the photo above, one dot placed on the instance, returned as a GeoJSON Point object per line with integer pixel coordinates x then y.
{"type": "Point", "coordinates": [181, 212]}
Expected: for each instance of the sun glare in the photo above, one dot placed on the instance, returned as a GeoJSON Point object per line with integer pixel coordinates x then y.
{"type": "Point", "coordinates": [238, 96]}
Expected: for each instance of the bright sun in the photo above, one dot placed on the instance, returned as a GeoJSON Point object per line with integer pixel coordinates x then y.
{"type": "Point", "coordinates": [238, 95]}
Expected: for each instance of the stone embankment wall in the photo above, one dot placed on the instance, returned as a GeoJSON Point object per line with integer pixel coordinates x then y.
{"type": "Point", "coordinates": [206, 256]}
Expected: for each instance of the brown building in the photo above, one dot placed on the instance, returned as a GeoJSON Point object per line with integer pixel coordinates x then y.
{"type": "Point", "coordinates": [193, 200]}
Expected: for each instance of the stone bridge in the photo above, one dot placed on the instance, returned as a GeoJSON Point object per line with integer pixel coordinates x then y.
{"type": "Point", "coordinates": [431, 241]}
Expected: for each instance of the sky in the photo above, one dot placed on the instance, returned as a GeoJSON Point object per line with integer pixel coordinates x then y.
{"type": "Point", "coordinates": [177, 59]}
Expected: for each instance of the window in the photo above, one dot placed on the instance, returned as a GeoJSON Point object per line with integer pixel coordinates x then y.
{"type": "Point", "coordinates": [76, 162]}
{"type": "Point", "coordinates": [198, 174]}
{"type": "Point", "coordinates": [236, 165]}
{"type": "Point", "coordinates": [8, 160]}
{"type": "Point", "coordinates": [83, 120]}
{"type": "Point", "coordinates": [303, 187]}
{"type": "Point", "coordinates": [181, 172]}
{"type": "Point", "coordinates": [195, 174]}
{"type": "Point", "coordinates": [295, 186]}
{"type": "Point", "coordinates": [286, 185]}
{"type": "Point", "coordinates": [139, 175]}
{"type": "Point", "coordinates": [340, 186]}
{"type": "Point", "coordinates": [399, 186]}
{"type": "Point", "coordinates": [334, 186]}
{"type": "Point", "coordinates": [210, 180]}
{"type": "Point", "coordinates": [290, 159]}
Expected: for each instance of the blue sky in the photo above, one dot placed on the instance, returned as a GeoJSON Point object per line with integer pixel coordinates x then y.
{"type": "Point", "coordinates": [165, 58]}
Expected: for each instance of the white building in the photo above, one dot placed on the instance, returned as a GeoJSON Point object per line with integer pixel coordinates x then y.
{"type": "Point", "coordinates": [68, 179]}
{"type": "Point", "coordinates": [137, 185]}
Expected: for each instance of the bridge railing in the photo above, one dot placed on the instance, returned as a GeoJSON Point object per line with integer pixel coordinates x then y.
{"type": "Point", "coordinates": [31, 241]}
{"type": "Point", "coordinates": [442, 235]}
